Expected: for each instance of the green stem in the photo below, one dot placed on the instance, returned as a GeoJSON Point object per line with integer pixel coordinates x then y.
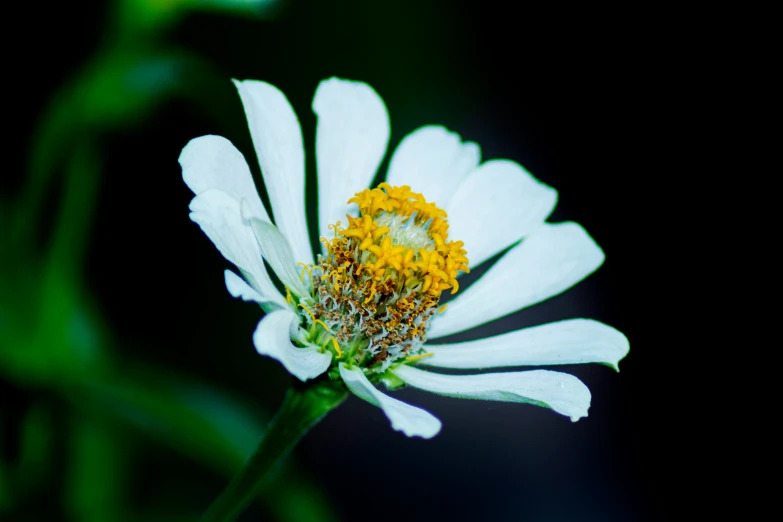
{"type": "Point", "coordinates": [303, 407]}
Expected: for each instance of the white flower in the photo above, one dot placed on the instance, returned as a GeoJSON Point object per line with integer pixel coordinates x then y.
{"type": "Point", "coordinates": [363, 310]}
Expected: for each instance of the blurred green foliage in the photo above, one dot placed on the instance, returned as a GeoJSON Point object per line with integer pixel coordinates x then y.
{"type": "Point", "coordinates": [69, 401]}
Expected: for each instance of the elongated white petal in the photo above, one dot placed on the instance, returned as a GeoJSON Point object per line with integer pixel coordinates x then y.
{"type": "Point", "coordinates": [561, 392]}
{"type": "Point", "coordinates": [277, 139]}
{"type": "Point", "coordinates": [574, 341]}
{"type": "Point", "coordinates": [548, 262]}
{"type": "Point", "coordinates": [238, 288]}
{"type": "Point", "coordinates": [212, 162]}
{"type": "Point", "coordinates": [350, 141]}
{"type": "Point", "coordinates": [277, 253]}
{"type": "Point", "coordinates": [412, 421]}
{"type": "Point", "coordinates": [495, 206]}
{"type": "Point", "coordinates": [219, 216]}
{"type": "Point", "coordinates": [433, 161]}
{"type": "Point", "coordinates": [273, 338]}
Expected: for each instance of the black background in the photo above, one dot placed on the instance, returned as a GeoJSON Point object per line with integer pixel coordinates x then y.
{"type": "Point", "coordinates": [595, 104]}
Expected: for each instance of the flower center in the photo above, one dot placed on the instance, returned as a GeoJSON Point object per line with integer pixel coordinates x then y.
{"type": "Point", "coordinates": [381, 278]}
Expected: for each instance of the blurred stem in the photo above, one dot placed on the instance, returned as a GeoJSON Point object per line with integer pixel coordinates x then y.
{"type": "Point", "coordinates": [51, 140]}
{"type": "Point", "coordinates": [303, 407]}
{"type": "Point", "coordinates": [98, 470]}
{"type": "Point", "coordinates": [73, 225]}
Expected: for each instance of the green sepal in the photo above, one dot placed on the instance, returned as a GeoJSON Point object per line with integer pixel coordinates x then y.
{"type": "Point", "coordinates": [333, 373]}
{"type": "Point", "coordinates": [391, 381]}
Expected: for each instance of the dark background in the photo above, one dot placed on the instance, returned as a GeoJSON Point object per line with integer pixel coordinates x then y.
{"type": "Point", "coordinates": [592, 103]}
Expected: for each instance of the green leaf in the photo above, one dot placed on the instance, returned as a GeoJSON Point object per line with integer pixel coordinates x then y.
{"type": "Point", "coordinates": [156, 15]}
{"type": "Point", "coordinates": [199, 421]}
{"type": "Point", "coordinates": [118, 88]}
{"type": "Point", "coordinates": [208, 426]}
{"type": "Point", "coordinates": [49, 336]}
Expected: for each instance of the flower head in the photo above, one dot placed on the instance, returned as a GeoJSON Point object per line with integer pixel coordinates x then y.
{"type": "Point", "coordinates": [363, 309]}
{"type": "Point", "coordinates": [379, 282]}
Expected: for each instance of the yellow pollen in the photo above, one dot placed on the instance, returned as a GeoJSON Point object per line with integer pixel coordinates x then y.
{"type": "Point", "coordinates": [417, 357]}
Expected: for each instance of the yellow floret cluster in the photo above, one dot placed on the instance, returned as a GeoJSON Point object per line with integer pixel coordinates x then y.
{"type": "Point", "coordinates": [436, 265]}
{"type": "Point", "coordinates": [380, 280]}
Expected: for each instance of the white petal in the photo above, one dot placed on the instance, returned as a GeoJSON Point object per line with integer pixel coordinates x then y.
{"type": "Point", "coordinates": [561, 392]}
{"type": "Point", "coordinates": [574, 341]}
{"type": "Point", "coordinates": [412, 421]}
{"type": "Point", "coordinates": [433, 161]}
{"type": "Point", "coordinates": [351, 138]}
{"type": "Point", "coordinates": [495, 206]}
{"type": "Point", "coordinates": [277, 252]}
{"type": "Point", "coordinates": [238, 288]}
{"type": "Point", "coordinates": [219, 216]}
{"type": "Point", "coordinates": [548, 262]}
{"type": "Point", "coordinates": [277, 139]}
{"type": "Point", "coordinates": [212, 162]}
{"type": "Point", "coordinates": [272, 338]}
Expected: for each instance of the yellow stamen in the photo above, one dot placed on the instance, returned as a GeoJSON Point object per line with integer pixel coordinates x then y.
{"type": "Point", "coordinates": [288, 297]}
{"type": "Point", "coordinates": [417, 357]}
{"type": "Point", "coordinates": [315, 321]}
{"type": "Point", "coordinates": [305, 267]}
{"type": "Point", "coordinates": [443, 308]}
{"type": "Point", "coordinates": [372, 293]}
{"type": "Point", "coordinates": [336, 228]}
{"type": "Point", "coordinates": [337, 348]}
